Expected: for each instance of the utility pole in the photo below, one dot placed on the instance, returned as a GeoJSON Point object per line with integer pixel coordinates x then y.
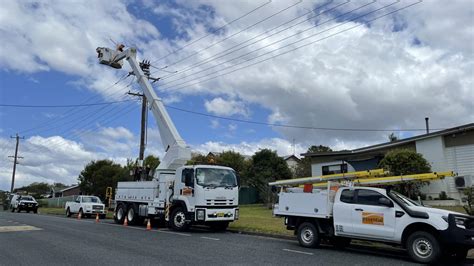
{"type": "Point", "coordinates": [142, 134]}
{"type": "Point", "coordinates": [15, 159]}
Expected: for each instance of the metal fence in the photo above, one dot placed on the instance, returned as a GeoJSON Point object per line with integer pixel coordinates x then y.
{"type": "Point", "coordinates": [56, 202]}
{"type": "Point", "coordinates": [248, 195]}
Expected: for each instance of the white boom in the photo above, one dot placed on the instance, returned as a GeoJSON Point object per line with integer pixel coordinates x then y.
{"type": "Point", "coordinates": [176, 151]}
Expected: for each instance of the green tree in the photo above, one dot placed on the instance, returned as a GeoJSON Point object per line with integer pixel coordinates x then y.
{"type": "Point", "coordinates": [98, 175]}
{"type": "Point", "coordinates": [36, 189]}
{"type": "Point", "coordinates": [235, 161]}
{"type": "Point", "coordinates": [304, 166]}
{"type": "Point", "coordinates": [392, 137]}
{"type": "Point", "coordinates": [406, 162]}
{"type": "Point", "coordinates": [266, 167]}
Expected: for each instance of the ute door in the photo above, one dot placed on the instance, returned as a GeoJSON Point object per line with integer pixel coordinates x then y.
{"type": "Point", "coordinates": [342, 212]}
{"type": "Point", "coordinates": [373, 215]}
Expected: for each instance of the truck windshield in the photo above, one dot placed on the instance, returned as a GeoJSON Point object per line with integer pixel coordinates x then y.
{"type": "Point", "coordinates": [404, 199]}
{"type": "Point", "coordinates": [91, 199]}
{"type": "Point", "coordinates": [215, 177]}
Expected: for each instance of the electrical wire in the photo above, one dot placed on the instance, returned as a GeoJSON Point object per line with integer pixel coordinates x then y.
{"type": "Point", "coordinates": [213, 31]}
{"type": "Point", "coordinates": [61, 106]}
{"type": "Point", "coordinates": [278, 41]}
{"type": "Point", "coordinates": [296, 126]}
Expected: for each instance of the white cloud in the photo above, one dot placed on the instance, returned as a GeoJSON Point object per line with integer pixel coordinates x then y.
{"type": "Point", "coordinates": [219, 106]}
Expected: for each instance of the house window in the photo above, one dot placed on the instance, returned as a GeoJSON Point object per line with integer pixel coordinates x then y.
{"type": "Point", "coordinates": [334, 169]}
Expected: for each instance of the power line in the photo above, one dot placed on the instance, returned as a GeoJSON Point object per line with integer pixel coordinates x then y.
{"type": "Point", "coordinates": [240, 31]}
{"type": "Point", "coordinates": [283, 53]}
{"type": "Point", "coordinates": [296, 126]}
{"type": "Point", "coordinates": [278, 41]}
{"type": "Point", "coordinates": [213, 31]}
{"type": "Point", "coordinates": [230, 51]}
{"type": "Point", "coordinates": [62, 106]}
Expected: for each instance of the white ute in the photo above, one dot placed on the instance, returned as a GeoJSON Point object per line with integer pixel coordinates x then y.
{"type": "Point", "coordinates": [375, 214]}
{"type": "Point", "coordinates": [85, 206]}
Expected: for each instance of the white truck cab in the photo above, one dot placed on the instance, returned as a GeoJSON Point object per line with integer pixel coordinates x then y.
{"type": "Point", "coordinates": [85, 206]}
{"type": "Point", "coordinates": [375, 214]}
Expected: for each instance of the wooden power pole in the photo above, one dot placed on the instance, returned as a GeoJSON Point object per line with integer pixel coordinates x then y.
{"type": "Point", "coordinates": [15, 159]}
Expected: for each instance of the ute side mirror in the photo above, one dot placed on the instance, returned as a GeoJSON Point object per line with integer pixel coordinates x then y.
{"type": "Point", "coordinates": [386, 202]}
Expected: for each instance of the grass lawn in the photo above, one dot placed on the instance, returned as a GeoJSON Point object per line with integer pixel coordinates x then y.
{"type": "Point", "coordinates": [452, 208]}
{"type": "Point", "coordinates": [258, 218]}
{"type": "Point", "coordinates": [61, 211]}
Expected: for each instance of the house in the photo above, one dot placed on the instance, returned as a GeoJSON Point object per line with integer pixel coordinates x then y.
{"type": "Point", "coordinates": [292, 161]}
{"type": "Point", "coordinates": [449, 149]}
{"type": "Point", "coordinates": [69, 191]}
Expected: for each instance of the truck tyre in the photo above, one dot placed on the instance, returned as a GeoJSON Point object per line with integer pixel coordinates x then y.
{"type": "Point", "coordinates": [68, 212]}
{"type": "Point", "coordinates": [132, 214]}
{"type": "Point", "coordinates": [340, 242]}
{"type": "Point", "coordinates": [308, 235]}
{"type": "Point", "coordinates": [119, 215]}
{"type": "Point", "coordinates": [219, 226]}
{"type": "Point", "coordinates": [423, 247]}
{"type": "Point", "coordinates": [178, 220]}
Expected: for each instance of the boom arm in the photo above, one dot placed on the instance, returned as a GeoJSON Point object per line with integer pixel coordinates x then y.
{"type": "Point", "coordinates": [176, 151]}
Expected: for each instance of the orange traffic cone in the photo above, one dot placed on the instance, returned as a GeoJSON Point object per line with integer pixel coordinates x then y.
{"type": "Point", "coordinates": [79, 216]}
{"type": "Point", "coordinates": [97, 218]}
{"type": "Point", "coordinates": [125, 222]}
{"type": "Point", "coordinates": [148, 225]}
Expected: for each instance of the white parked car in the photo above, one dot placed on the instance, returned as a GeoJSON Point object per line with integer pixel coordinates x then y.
{"type": "Point", "coordinates": [23, 203]}
{"type": "Point", "coordinates": [86, 206]}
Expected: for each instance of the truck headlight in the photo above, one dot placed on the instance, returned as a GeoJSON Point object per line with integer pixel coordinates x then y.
{"type": "Point", "coordinates": [201, 214]}
{"type": "Point", "coordinates": [237, 214]}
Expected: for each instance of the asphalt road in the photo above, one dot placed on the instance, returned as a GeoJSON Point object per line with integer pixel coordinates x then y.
{"type": "Point", "coordinates": [32, 239]}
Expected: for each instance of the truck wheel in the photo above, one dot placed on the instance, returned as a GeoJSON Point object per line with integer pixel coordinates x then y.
{"type": "Point", "coordinates": [68, 212]}
{"type": "Point", "coordinates": [423, 247]}
{"type": "Point", "coordinates": [219, 226]}
{"type": "Point", "coordinates": [119, 214]}
{"type": "Point", "coordinates": [308, 235]}
{"type": "Point", "coordinates": [132, 214]}
{"type": "Point", "coordinates": [340, 242]}
{"type": "Point", "coordinates": [178, 220]}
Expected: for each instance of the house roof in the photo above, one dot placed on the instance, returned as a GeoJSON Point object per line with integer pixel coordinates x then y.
{"type": "Point", "coordinates": [69, 188]}
{"type": "Point", "coordinates": [287, 157]}
{"type": "Point", "coordinates": [376, 147]}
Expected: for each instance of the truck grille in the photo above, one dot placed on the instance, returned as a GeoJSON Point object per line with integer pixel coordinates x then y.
{"type": "Point", "coordinates": [97, 207]}
{"type": "Point", "coordinates": [219, 202]}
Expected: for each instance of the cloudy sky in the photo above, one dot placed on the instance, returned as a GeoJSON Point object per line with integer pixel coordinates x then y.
{"type": "Point", "coordinates": [326, 67]}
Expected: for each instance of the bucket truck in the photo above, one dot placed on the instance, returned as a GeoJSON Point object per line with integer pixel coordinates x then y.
{"type": "Point", "coordinates": [179, 194]}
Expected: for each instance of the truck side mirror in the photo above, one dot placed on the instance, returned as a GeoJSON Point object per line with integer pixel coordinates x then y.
{"type": "Point", "coordinates": [237, 176]}
{"type": "Point", "coordinates": [386, 202]}
{"type": "Point", "coordinates": [188, 178]}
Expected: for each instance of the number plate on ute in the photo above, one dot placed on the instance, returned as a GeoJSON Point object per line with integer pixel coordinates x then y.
{"type": "Point", "coordinates": [220, 214]}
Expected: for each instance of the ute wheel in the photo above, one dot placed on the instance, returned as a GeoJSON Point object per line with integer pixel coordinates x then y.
{"type": "Point", "coordinates": [12, 209]}
{"type": "Point", "coordinates": [340, 242]}
{"type": "Point", "coordinates": [81, 213]}
{"type": "Point", "coordinates": [308, 235]}
{"type": "Point", "coordinates": [27, 211]}
{"type": "Point", "coordinates": [18, 210]}
{"type": "Point", "coordinates": [35, 210]}
{"type": "Point", "coordinates": [119, 215]}
{"type": "Point", "coordinates": [423, 247]}
{"type": "Point", "coordinates": [132, 214]}
{"type": "Point", "coordinates": [219, 226]}
{"type": "Point", "coordinates": [178, 220]}
{"type": "Point", "coordinates": [68, 212]}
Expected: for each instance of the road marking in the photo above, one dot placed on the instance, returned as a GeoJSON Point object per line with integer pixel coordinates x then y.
{"type": "Point", "coordinates": [20, 228]}
{"type": "Point", "coordinates": [171, 232]}
{"type": "Point", "coordinates": [210, 238]}
{"type": "Point", "coordinates": [297, 251]}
